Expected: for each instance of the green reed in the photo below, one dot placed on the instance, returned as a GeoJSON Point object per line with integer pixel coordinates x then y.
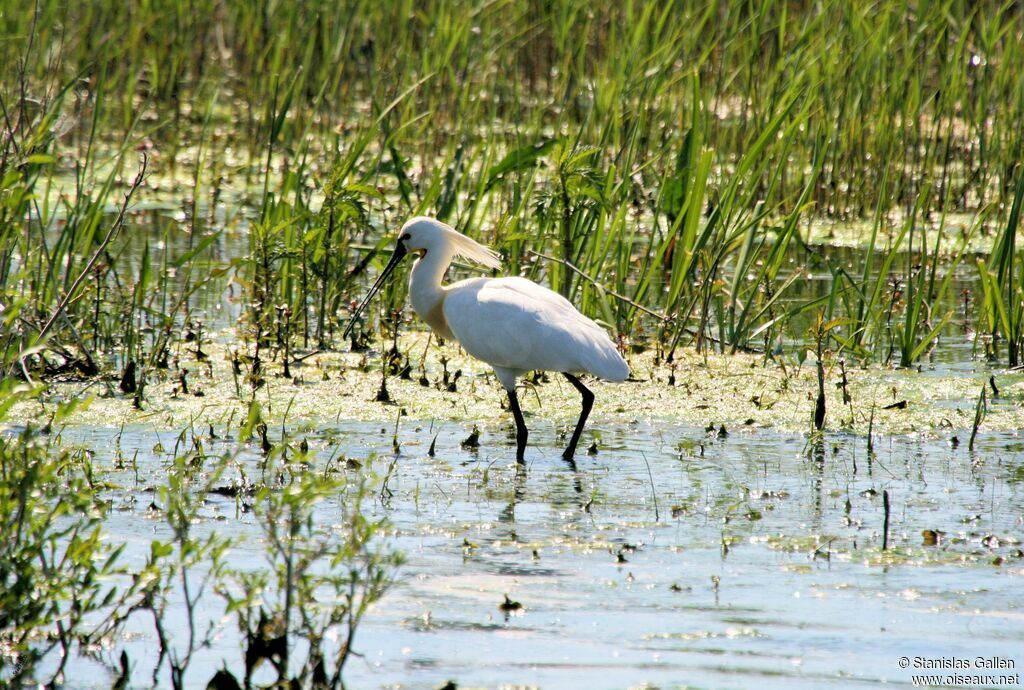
{"type": "Point", "coordinates": [1002, 280]}
{"type": "Point", "coordinates": [667, 154]}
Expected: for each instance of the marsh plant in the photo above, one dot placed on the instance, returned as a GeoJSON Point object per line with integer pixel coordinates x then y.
{"type": "Point", "coordinates": [57, 598]}
{"type": "Point", "coordinates": [663, 166]}
{"type": "Point", "coordinates": [65, 592]}
{"type": "Point", "coordinates": [316, 584]}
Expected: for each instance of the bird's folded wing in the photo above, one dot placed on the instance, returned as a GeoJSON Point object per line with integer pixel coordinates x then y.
{"type": "Point", "coordinates": [517, 324]}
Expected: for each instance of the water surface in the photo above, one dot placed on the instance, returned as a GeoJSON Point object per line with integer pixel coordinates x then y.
{"type": "Point", "coordinates": [671, 558]}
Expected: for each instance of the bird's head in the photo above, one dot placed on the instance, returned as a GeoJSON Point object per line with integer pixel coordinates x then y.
{"type": "Point", "coordinates": [420, 235]}
{"type": "Point", "coordinates": [423, 236]}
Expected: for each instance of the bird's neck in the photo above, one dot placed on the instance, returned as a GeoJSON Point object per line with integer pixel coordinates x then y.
{"type": "Point", "coordinates": [425, 290]}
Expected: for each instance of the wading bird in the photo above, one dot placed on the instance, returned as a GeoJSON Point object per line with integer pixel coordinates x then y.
{"type": "Point", "coordinates": [513, 324]}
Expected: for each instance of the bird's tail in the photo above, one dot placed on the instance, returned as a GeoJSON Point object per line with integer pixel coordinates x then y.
{"type": "Point", "coordinates": [611, 367]}
{"type": "Point", "coordinates": [603, 359]}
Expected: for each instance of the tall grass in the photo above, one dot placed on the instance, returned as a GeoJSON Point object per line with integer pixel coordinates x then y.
{"type": "Point", "coordinates": [1002, 281]}
{"type": "Point", "coordinates": [669, 153]}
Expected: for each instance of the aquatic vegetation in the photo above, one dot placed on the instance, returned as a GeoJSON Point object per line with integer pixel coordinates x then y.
{"type": "Point", "coordinates": [1003, 284]}
{"type": "Point", "coordinates": [731, 390]}
{"type": "Point", "coordinates": [67, 593]}
{"type": "Point", "coordinates": [55, 567]}
{"type": "Point", "coordinates": [668, 189]}
{"type": "Point", "coordinates": [798, 222]}
{"type": "Point", "coordinates": [315, 587]}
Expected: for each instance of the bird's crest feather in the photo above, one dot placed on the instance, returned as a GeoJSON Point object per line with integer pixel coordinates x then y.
{"type": "Point", "coordinates": [474, 251]}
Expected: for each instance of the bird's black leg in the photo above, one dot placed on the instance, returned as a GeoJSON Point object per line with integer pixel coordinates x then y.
{"type": "Point", "coordinates": [588, 402]}
{"type": "Point", "coordinates": [521, 430]}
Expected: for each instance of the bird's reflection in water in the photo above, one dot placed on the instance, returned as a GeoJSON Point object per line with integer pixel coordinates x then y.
{"type": "Point", "coordinates": [508, 513]}
{"type": "Point", "coordinates": [577, 478]}
{"type": "Point", "coordinates": [519, 480]}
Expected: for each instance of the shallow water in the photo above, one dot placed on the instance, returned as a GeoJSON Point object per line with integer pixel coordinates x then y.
{"type": "Point", "coordinates": [672, 558]}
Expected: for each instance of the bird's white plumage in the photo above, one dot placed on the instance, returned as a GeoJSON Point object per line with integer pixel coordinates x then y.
{"type": "Point", "coordinates": [515, 325]}
{"type": "Point", "coordinates": [511, 323]}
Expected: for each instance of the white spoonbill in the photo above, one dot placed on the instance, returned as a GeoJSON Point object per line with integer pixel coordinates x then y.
{"type": "Point", "coordinates": [513, 324]}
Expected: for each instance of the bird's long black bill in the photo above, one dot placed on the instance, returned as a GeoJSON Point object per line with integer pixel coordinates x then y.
{"type": "Point", "coordinates": [400, 252]}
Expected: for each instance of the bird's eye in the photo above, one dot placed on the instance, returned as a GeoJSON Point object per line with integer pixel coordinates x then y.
{"type": "Point", "coordinates": [404, 237]}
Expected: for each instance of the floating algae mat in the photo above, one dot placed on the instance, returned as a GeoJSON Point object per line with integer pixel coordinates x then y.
{"type": "Point", "coordinates": [442, 383]}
